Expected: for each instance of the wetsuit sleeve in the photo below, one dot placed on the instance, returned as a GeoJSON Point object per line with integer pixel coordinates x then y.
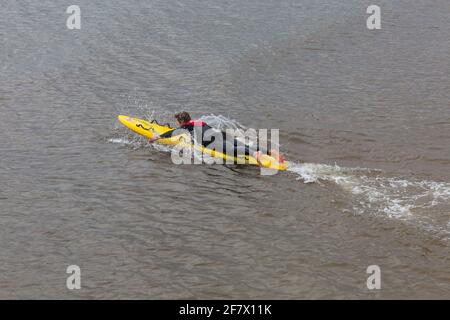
{"type": "Point", "coordinates": [167, 134]}
{"type": "Point", "coordinates": [177, 131]}
{"type": "Point", "coordinates": [248, 150]}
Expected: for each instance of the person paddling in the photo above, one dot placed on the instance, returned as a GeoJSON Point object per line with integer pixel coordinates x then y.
{"type": "Point", "coordinates": [185, 122]}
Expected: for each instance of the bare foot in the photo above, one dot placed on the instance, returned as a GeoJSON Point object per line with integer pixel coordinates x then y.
{"type": "Point", "coordinates": [273, 153]}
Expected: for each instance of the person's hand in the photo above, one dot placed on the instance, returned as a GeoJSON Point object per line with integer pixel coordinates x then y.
{"type": "Point", "coordinates": [151, 140]}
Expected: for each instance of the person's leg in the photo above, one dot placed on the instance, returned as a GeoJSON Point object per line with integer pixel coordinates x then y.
{"type": "Point", "coordinates": [275, 154]}
{"type": "Point", "coordinates": [272, 152]}
{"type": "Point", "coordinates": [257, 153]}
{"type": "Point", "coordinates": [240, 148]}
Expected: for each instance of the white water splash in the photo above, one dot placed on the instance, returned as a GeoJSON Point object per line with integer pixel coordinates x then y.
{"type": "Point", "coordinates": [375, 193]}
{"type": "Point", "coordinates": [123, 141]}
{"type": "Point", "coordinates": [138, 143]}
{"type": "Point", "coordinates": [239, 131]}
{"type": "Point", "coordinates": [222, 123]}
{"type": "Point", "coordinates": [135, 143]}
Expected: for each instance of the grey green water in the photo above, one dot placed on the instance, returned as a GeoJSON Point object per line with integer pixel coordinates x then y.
{"type": "Point", "coordinates": [363, 115]}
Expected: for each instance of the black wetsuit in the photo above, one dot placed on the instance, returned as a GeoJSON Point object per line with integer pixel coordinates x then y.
{"type": "Point", "coordinates": [234, 147]}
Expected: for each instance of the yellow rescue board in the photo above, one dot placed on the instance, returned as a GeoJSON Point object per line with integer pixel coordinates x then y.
{"type": "Point", "coordinates": [147, 129]}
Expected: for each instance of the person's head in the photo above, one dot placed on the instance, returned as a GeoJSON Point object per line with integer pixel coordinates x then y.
{"type": "Point", "coordinates": [182, 117]}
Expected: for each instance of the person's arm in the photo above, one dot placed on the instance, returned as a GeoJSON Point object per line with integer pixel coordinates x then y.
{"type": "Point", "coordinates": [167, 134]}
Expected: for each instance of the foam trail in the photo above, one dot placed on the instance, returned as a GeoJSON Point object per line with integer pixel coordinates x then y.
{"type": "Point", "coordinates": [375, 193]}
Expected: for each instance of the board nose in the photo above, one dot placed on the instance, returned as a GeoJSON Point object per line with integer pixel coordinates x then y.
{"type": "Point", "coordinates": [124, 119]}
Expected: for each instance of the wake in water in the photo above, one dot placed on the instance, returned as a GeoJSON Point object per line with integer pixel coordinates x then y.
{"type": "Point", "coordinates": [423, 203]}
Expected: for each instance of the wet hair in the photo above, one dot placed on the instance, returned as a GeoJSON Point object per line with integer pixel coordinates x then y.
{"type": "Point", "coordinates": [183, 117]}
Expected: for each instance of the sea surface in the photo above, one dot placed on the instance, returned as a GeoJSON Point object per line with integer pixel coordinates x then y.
{"type": "Point", "coordinates": [364, 120]}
